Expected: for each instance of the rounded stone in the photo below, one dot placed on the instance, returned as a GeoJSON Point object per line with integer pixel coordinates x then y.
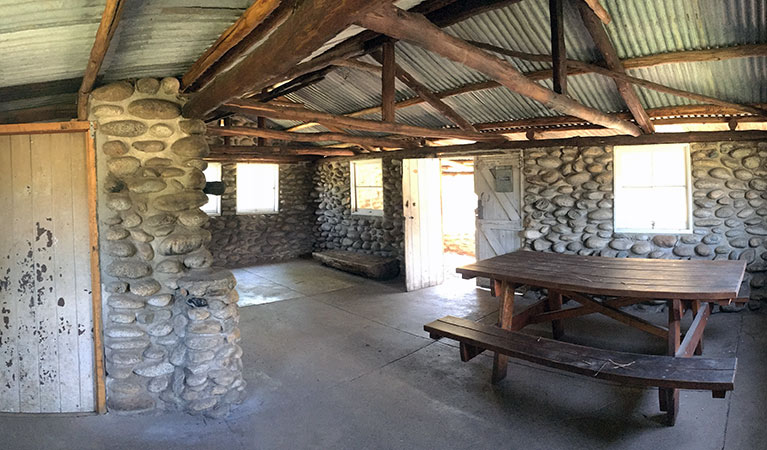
{"type": "Point", "coordinates": [123, 128]}
{"type": "Point", "coordinates": [169, 266]}
{"type": "Point", "coordinates": [123, 166]}
{"type": "Point", "coordinates": [180, 244]}
{"type": "Point", "coordinates": [160, 300]}
{"type": "Point", "coordinates": [209, 282]}
{"type": "Point", "coordinates": [743, 174]}
{"type": "Point", "coordinates": [145, 287]}
{"type": "Point", "coordinates": [194, 218]}
{"type": "Point", "coordinates": [149, 146]}
{"type": "Point", "coordinates": [641, 248]}
{"type": "Point", "coordinates": [200, 259]}
{"type": "Point", "coordinates": [195, 179]}
{"type": "Point", "coordinates": [664, 240]}
{"type": "Point", "coordinates": [540, 245]}
{"type": "Point", "coordinates": [144, 251]}
{"type": "Point", "coordinates": [683, 251]}
{"type": "Point", "coordinates": [621, 244]}
{"type": "Point", "coordinates": [121, 248]}
{"type": "Point", "coordinates": [128, 269]}
{"type": "Point", "coordinates": [119, 202]}
{"type": "Point", "coordinates": [123, 331]}
{"type": "Point", "coordinates": [752, 162]}
{"type": "Point", "coordinates": [724, 212]}
{"type": "Point", "coordinates": [157, 162]}
{"type": "Point", "coordinates": [146, 185]}
{"type": "Point", "coordinates": [181, 201]}
{"type": "Point", "coordinates": [125, 301]}
{"type": "Point", "coordinates": [192, 126]}
{"type": "Point", "coordinates": [563, 201]}
{"type": "Point", "coordinates": [115, 233]}
{"type": "Point", "coordinates": [160, 130]}
{"type": "Point", "coordinates": [153, 108]}
{"type": "Point", "coordinates": [191, 147]}
{"type": "Point", "coordinates": [601, 214]}
{"type": "Point", "coordinates": [172, 172]}
{"type": "Point", "coordinates": [758, 184]}
{"type": "Point", "coordinates": [549, 162]}
{"type": "Point", "coordinates": [202, 342]}
{"type": "Point", "coordinates": [160, 329]}
{"type": "Point", "coordinates": [170, 85]}
{"type": "Point", "coordinates": [113, 92]}
{"type": "Point", "coordinates": [148, 86]}
{"type": "Point", "coordinates": [154, 369]}
{"type": "Point", "coordinates": [596, 242]}
{"type": "Point", "coordinates": [102, 111]}
{"type": "Point", "coordinates": [703, 250]}
{"type": "Point", "coordinates": [578, 178]}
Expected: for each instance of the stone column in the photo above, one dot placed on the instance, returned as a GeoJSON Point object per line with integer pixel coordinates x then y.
{"type": "Point", "coordinates": [171, 319]}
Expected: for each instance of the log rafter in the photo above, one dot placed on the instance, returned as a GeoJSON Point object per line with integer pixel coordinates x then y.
{"type": "Point", "coordinates": [107, 27]}
{"type": "Point", "coordinates": [309, 137]}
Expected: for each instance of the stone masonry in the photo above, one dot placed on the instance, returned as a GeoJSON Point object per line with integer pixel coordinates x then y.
{"type": "Point", "coordinates": [170, 318]}
{"type": "Point", "coordinates": [568, 207]}
{"type": "Point", "coordinates": [243, 240]}
{"type": "Point", "coordinates": [337, 228]}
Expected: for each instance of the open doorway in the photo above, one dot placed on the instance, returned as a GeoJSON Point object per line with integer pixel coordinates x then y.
{"type": "Point", "coordinates": [459, 203]}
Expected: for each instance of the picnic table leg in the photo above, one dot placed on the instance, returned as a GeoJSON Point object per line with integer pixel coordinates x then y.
{"type": "Point", "coordinates": [554, 303]}
{"type": "Point", "coordinates": [669, 398]}
{"type": "Point", "coordinates": [505, 291]}
{"type": "Point", "coordinates": [695, 309]}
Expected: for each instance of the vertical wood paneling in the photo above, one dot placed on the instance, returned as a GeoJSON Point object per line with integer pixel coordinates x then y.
{"type": "Point", "coordinates": [23, 275]}
{"type": "Point", "coordinates": [46, 338]}
{"type": "Point", "coordinates": [44, 263]}
{"type": "Point", "coordinates": [9, 367]}
{"type": "Point", "coordinates": [500, 222]}
{"type": "Point", "coordinates": [83, 294]}
{"type": "Point", "coordinates": [421, 185]}
{"type": "Point", "coordinates": [65, 281]}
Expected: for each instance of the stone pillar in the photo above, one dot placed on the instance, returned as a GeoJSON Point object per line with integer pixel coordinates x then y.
{"type": "Point", "coordinates": [170, 319]}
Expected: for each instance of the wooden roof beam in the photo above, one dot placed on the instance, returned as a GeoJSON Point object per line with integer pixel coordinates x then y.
{"type": "Point", "coordinates": [599, 10]}
{"type": "Point", "coordinates": [233, 35]}
{"type": "Point", "coordinates": [255, 108]}
{"type": "Point", "coordinates": [310, 24]}
{"type": "Point", "coordinates": [558, 50]}
{"type": "Point", "coordinates": [308, 137]}
{"type": "Point", "coordinates": [109, 21]}
{"type": "Point", "coordinates": [417, 29]}
{"type": "Point", "coordinates": [606, 48]}
{"type": "Point", "coordinates": [275, 150]}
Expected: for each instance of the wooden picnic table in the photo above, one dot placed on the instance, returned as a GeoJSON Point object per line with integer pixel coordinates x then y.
{"type": "Point", "coordinates": [603, 285]}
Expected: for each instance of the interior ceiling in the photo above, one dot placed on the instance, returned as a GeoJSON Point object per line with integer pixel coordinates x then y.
{"type": "Point", "coordinates": [45, 41]}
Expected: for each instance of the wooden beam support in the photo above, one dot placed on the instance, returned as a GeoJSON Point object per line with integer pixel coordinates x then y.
{"type": "Point", "coordinates": [66, 111]}
{"type": "Point", "coordinates": [417, 29]}
{"type": "Point", "coordinates": [310, 24]}
{"type": "Point", "coordinates": [387, 82]}
{"type": "Point", "coordinates": [248, 107]}
{"type": "Point", "coordinates": [558, 51]}
{"type": "Point", "coordinates": [273, 150]}
{"type": "Point", "coordinates": [242, 27]}
{"type": "Point", "coordinates": [267, 159]}
{"type": "Point", "coordinates": [45, 128]}
{"type": "Point", "coordinates": [606, 48]}
{"type": "Point", "coordinates": [109, 20]}
{"type": "Point", "coordinates": [599, 11]}
{"type": "Point", "coordinates": [308, 137]}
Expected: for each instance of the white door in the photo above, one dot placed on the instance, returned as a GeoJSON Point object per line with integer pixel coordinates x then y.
{"type": "Point", "coordinates": [422, 208]}
{"type": "Point", "coordinates": [498, 185]}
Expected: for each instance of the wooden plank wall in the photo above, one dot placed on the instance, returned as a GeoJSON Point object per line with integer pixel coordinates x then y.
{"type": "Point", "coordinates": [46, 326]}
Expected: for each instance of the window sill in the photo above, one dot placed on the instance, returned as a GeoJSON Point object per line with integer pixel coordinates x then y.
{"type": "Point", "coordinates": [635, 231]}
{"type": "Point", "coordinates": [256, 213]}
{"type": "Point", "coordinates": [367, 214]}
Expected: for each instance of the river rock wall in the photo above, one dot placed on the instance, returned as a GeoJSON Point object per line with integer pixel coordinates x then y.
{"type": "Point", "coordinates": [170, 322]}
{"type": "Point", "coordinates": [568, 207]}
{"type": "Point", "coordinates": [243, 240]}
{"type": "Point", "coordinates": [337, 228]}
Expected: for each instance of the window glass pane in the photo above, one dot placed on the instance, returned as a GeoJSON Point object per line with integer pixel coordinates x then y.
{"type": "Point", "coordinates": [669, 167]}
{"type": "Point", "coordinates": [368, 173]}
{"type": "Point", "coordinates": [257, 187]}
{"type": "Point", "coordinates": [633, 209]}
{"type": "Point", "coordinates": [634, 166]}
{"type": "Point", "coordinates": [213, 173]}
{"type": "Point", "coordinates": [369, 198]}
{"type": "Point", "coordinates": [670, 208]}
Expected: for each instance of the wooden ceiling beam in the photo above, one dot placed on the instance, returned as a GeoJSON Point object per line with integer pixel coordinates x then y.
{"type": "Point", "coordinates": [558, 50]}
{"type": "Point", "coordinates": [310, 24]}
{"type": "Point", "coordinates": [308, 137]}
{"type": "Point", "coordinates": [253, 17]}
{"type": "Point", "coordinates": [606, 48]}
{"type": "Point", "coordinates": [276, 150]}
{"type": "Point", "coordinates": [417, 29]}
{"type": "Point", "coordinates": [58, 112]}
{"type": "Point", "coordinates": [388, 75]}
{"type": "Point", "coordinates": [263, 159]}
{"type": "Point", "coordinates": [598, 10]}
{"type": "Point", "coordinates": [255, 108]}
{"type": "Point", "coordinates": [109, 21]}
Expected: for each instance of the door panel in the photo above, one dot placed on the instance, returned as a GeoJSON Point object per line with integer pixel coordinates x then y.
{"type": "Point", "coordinates": [422, 208]}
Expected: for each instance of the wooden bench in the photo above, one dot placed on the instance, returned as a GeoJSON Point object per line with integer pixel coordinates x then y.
{"type": "Point", "coordinates": [714, 374]}
{"type": "Point", "coordinates": [366, 265]}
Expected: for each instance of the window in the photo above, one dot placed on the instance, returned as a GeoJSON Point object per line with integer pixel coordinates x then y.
{"type": "Point", "coordinates": [367, 187]}
{"type": "Point", "coordinates": [213, 173]}
{"type": "Point", "coordinates": [258, 188]}
{"type": "Point", "coordinates": [652, 189]}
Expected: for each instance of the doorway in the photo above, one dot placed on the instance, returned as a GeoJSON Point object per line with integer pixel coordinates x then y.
{"type": "Point", "coordinates": [459, 204]}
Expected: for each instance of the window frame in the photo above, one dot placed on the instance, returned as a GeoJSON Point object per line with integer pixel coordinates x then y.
{"type": "Point", "coordinates": [617, 189]}
{"type": "Point", "coordinates": [214, 198]}
{"type": "Point", "coordinates": [249, 212]}
{"type": "Point", "coordinates": [353, 180]}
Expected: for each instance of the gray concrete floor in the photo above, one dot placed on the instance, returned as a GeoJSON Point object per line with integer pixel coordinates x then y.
{"type": "Point", "coordinates": [334, 361]}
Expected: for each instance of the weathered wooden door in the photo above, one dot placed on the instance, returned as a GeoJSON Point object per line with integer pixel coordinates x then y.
{"type": "Point", "coordinates": [498, 185]}
{"type": "Point", "coordinates": [422, 208]}
{"type": "Point", "coordinates": [46, 327]}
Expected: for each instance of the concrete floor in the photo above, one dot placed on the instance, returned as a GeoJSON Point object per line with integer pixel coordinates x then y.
{"type": "Point", "coordinates": [334, 361]}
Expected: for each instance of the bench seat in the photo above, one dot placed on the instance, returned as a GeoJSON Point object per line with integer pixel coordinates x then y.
{"type": "Point", "coordinates": [366, 265]}
{"type": "Point", "coordinates": [714, 374]}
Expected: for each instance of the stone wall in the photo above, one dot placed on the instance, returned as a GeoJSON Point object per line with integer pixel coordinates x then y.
{"type": "Point", "coordinates": [569, 207]}
{"type": "Point", "coordinates": [242, 240]}
{"type": "Point", "coordinates": [170, 320]}
{"type": "Point", "coordinates": [337, 228]}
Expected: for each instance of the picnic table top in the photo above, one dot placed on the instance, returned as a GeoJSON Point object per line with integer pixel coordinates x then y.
{"type": "Point", "coordinates": [621, 277]}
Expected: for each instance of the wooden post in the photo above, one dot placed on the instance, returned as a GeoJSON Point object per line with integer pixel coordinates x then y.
{"type": "Point", "coordinates": [554, 303]}
{"type": "Point", "coordinates": [387, 82]}
{"type": "Point", "coordinates": [558, 52]}
{"type": "Point", "coordinates": [261, 123]}
{"type": "Point", "coordinates": [505, 318]}
{"type": "Point", "coordinates": [669, 398]}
